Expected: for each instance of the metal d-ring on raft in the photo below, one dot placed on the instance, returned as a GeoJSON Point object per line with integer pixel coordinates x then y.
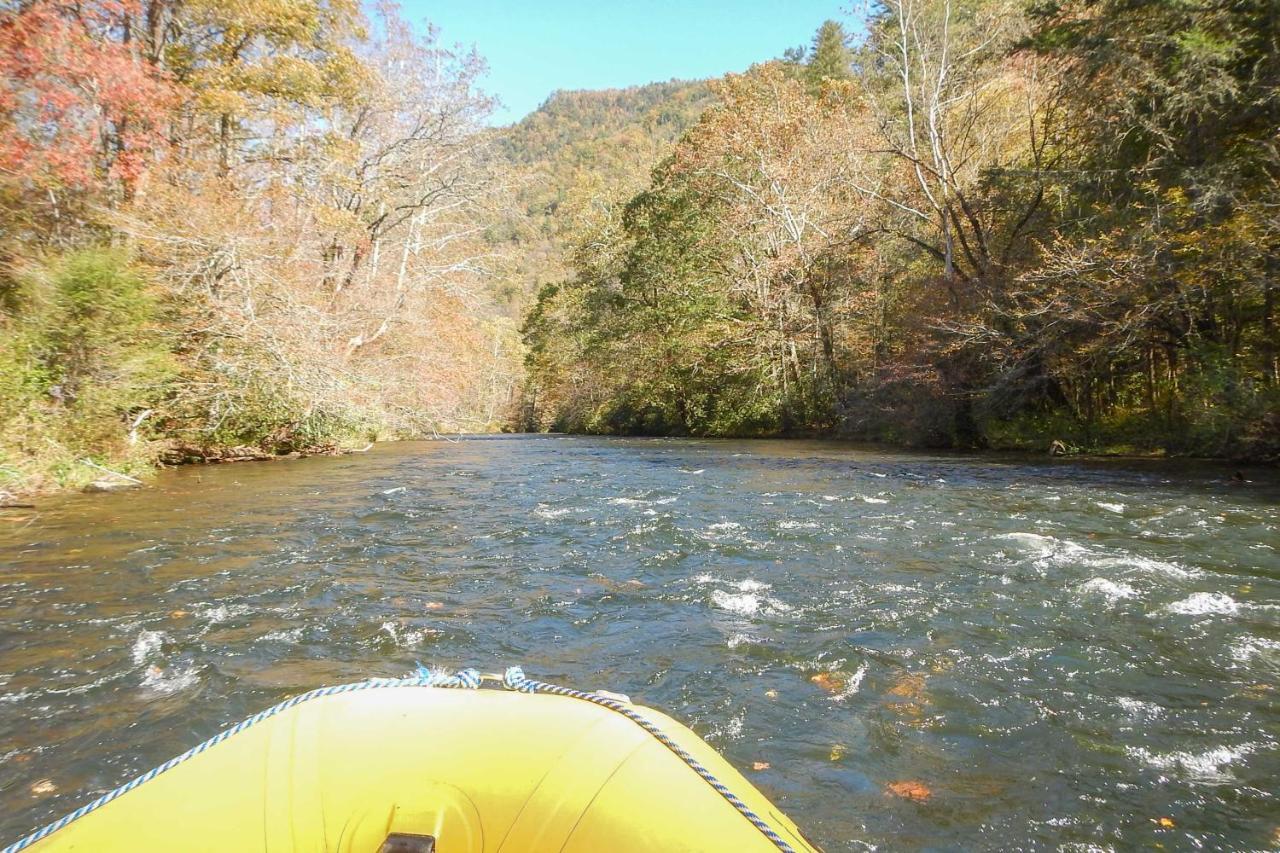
{"type": "Point", "coordinates": [367, 766]}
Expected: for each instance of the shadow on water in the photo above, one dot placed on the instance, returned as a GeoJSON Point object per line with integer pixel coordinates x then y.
{"type": "Point", "coordinates": [929, 650]}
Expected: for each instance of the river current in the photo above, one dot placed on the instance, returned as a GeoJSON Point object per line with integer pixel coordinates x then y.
{"type": "Point", "coordinates": [914, 651]}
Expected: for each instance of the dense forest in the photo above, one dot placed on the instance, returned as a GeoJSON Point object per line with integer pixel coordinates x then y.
{"type": "Point", "coordinates": [981, 225]}
{"type": "Point", "coordinates": [580, 149]}
{"type": "Point", "coordinates": [236, 230]}
{"type": "Point", "coordinates": [232, 229]}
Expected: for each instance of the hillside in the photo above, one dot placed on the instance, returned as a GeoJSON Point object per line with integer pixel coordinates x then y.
{"type": "Point", "coordinates": [579, 148]}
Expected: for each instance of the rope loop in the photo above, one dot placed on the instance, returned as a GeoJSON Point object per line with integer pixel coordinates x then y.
{"type": "Point", "coordinates": [464, 679]}
{"type": "Point", "coordinates": [513, 679]}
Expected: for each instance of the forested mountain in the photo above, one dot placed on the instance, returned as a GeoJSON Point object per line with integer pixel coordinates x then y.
{"type": "Point", "coordinates": [581, 149]}
{"type": "Point", "coordinates": [984, 224]}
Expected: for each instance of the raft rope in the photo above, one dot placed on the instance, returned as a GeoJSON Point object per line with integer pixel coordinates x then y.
{"type": "Point", "coordinates": [514, 679]}
{"type": "Point", "coordinates": [465, 679]}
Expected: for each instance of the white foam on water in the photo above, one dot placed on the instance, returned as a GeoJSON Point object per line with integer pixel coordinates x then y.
{"type": "Point", "coordinates": [723, 526]}
{"type": "Point", "coordinates": [641, 501]}
{"type": "Point", "coordinates": [1246, 649]}
{"type": "Point", "coordinates": [147, 645]}
{"type": "Point", "coordinates": [1139, 709]}
{"type": "Point", "coordinates": [730, 730]}
{"type": "Point", "coordinates": [403, 637]}
{"type": "Point", "coordinates": [1144, 564]}
{"type": "Point", "coordinates": [751, 585]}
{"type": "Point", "coordinates": [1211, 767]}
{"type": "Point", "coordinates": [545, 511]}
{"type": "Point", "coordinates": [738, 639]}
{"type": "Point", "coordinates": [691, 470]}
{"type": "Point", "coordinates": [868, 500]}
{"type": "Point", "coordinates": [797, 525]}
{"type": "Point", "coordinates": [1046, 551]}
{"type": "Point", "coordinates": [745, 604]}
{"type": "Point", "coordinates": [222, 612]}
{"type": "Point", "coordinates": [1205, 604]}
{"type": "Point", "coordinates": [1112, 591]}
{"type": "Point", "coordinates": [158, 679]}
{"type": "Point", "coordinates": [155, 676]}
{"type": "Point", "coordinates": [854, 684]}
{"type": "Point", "coordinates": [292, 635]}
{"type": "Point", "coordinates": [1117, 508]}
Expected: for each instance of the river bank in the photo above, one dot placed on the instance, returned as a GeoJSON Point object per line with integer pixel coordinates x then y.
{"type": "Point", "coordinates": [97, 478]}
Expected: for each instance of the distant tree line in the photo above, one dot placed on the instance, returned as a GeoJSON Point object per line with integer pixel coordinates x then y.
{"type": "Point", "coordinates": [980, 225]}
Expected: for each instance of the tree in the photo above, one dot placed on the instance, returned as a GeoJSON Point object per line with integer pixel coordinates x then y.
{"type": "Point", "coordinates": [829, 57]}
{"type": "Point", "coordinates": [78, 112]}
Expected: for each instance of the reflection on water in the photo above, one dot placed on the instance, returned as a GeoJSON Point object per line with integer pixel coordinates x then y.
{"type": "Point", "coordinates": [927, 651]}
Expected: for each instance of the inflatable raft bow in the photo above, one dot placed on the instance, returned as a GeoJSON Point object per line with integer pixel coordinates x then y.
{"type": "Point", "coordinates": [384, 766]}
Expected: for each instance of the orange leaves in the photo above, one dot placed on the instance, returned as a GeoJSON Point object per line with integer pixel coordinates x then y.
{"type": "Point", "coordinates": [760, 765]}
{"type": "Point", "coordinates": [67, 85]}
{"type": "Point", "coordinates": [832, 682]}
{"type": "Point", "coordinates": [912, 790]}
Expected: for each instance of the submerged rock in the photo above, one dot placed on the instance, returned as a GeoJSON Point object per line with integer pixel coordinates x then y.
{"type": "Point", "coordinates": [105, 485]}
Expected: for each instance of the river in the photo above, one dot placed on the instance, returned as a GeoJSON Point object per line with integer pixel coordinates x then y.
{"type": "Point", "coordinates": [927, 651]}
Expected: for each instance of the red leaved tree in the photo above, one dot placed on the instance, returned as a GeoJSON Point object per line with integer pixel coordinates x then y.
{"type": "Point", "coordinates": [81, 108]}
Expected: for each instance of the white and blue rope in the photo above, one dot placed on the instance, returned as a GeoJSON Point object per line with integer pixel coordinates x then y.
{"type": "Point", "coordinates": [514, 679]}
{"type": "Point", "coordinates": [467, 679]}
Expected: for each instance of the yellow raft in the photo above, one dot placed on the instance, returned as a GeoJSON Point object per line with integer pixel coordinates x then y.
{"type": "Point", "coordinates": [409, 767]}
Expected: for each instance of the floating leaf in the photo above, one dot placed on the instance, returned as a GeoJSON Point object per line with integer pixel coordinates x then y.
{"type": "Point", "coordinates": [831, 682]}
{"type": "Point", "coordinates": [179, 614]}
{"type": "Point", "coordinates": [910, 790]}
{"type": "Point", "coordinates": [759, 765]}
{"type": "Point", "coordinates": [837, 751]}
{"type": "Point", "coordinates": [772, 694]}
{"type": "Point", "coordinates": [1166, 822]}
{"type": "Point", "coordinates": [434, 605]}
{"type": "Point", "coordinates": [43, 788]}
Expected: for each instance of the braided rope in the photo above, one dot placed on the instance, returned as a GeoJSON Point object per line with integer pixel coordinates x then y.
{"type": "Point", "coordinates": [514, 679]}
{"type": "Point", "coordinates": [465, 679]}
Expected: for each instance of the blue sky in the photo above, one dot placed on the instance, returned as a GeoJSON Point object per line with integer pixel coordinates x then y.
{"type": "Point", "coordinates": [537, 46]}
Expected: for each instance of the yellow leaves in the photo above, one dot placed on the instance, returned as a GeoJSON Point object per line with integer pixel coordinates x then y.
{"type": "Point", "coordinates": [760, 765]}
{"type": "Point", "coordinates": [838, 751]}
{"type": "Point", "coordinates": [1165, 822]}
{"type": "Point", "coordinates": [214, 97]}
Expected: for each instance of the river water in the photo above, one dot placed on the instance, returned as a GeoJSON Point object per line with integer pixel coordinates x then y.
{"type": "Point", "coordinates": [928, 651]}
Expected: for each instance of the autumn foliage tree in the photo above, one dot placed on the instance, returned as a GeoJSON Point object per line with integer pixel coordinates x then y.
{"type": "Point", "coordinates": [300, 189]}
{"type": "Point", "coordinates": [1009, 228]}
